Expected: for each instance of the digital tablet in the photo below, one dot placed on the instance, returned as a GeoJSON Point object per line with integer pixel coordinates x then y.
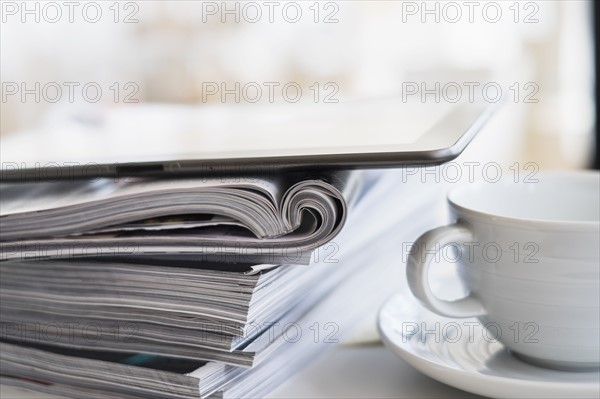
{"type": "Point", "coordinates": [169, 140]}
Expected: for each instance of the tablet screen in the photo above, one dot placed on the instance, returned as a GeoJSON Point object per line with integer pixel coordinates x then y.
{"type": "Point", "coordinates": [374, 133]}
{"type": "Point", "coordinates": [166, 132]}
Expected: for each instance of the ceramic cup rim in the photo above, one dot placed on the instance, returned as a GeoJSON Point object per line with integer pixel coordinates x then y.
{"type": "Point", "coordinates": [587, 225]}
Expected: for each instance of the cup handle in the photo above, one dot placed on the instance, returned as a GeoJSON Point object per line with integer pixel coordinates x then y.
{"type": "Point", "coordinates": [417, 271]}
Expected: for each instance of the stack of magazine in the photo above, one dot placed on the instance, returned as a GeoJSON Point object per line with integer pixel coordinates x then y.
{"type": "Point", "coordinates": [187, 288]}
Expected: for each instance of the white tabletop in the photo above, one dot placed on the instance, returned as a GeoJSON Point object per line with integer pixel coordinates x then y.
{"type": "Point", "coordinates": [365, 371]}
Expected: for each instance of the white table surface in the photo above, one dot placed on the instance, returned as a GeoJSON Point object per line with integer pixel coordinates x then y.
{"type": "Point", "coordinates": [367, 371]}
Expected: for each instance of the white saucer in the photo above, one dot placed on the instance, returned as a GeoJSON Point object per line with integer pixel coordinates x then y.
{"type": "Point", "coordinates": [458, 353]}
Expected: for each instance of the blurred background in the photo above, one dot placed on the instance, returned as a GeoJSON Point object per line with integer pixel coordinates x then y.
{"type": "Point", "coordinates": [138, 52]}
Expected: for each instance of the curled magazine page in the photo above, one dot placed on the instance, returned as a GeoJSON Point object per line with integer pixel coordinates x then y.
{"type": "Point", "coordinates": [251, 220]}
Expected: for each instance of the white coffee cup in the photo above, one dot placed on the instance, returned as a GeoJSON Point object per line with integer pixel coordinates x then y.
{"type": "Point", "coordinates": [530, 260]}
